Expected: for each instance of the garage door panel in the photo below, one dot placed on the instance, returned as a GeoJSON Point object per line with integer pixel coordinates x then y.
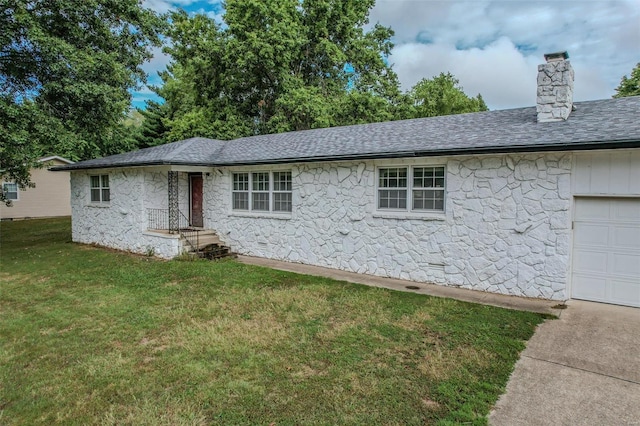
{"type": "Point", "coordinates": [590, 261]}
{"type": "Point", "coordinates": [625, 292]}
{"type": "Point", "coordinates": [606, 250]}
{"type": "Point", "coordinates": [591, 288]}
{"type": "Point", "coordinates": [626, 237]}
{"type": "Point", "coordinates": [591, 234]}
{"type": "Point", "coordinates": [592, 209]}
{"type": "Point", "coordinates": [626, 264]}
{"type": "Point", "coordinates": [626, 210]}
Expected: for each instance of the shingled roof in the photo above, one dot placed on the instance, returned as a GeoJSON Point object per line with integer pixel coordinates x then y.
{"type": "Point", "coordinates": [610, 123]}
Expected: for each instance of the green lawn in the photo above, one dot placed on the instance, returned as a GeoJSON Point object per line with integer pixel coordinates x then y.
{"type": "Point", "coordinates": [93, 336]}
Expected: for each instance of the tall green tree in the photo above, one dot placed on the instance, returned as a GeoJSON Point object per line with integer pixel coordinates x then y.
{"type": "Point", "coordinates": [151, 131]}
{"type": "Point", "coordinates": [278, 66]}
{"type": "Point", "coordinates": [629, 86]}
{"type": "Point", "coordinates": [66, 68]}
{"type": "Point", "coordinates": [442, 95]}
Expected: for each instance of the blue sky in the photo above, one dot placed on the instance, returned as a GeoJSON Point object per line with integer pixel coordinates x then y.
{"type": "Point", "coordinates": [492, 47]}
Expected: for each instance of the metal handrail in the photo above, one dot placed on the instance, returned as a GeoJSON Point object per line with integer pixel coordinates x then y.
{"type": "Point", "coordinates": [188, 232]}
{"type": "Point", "coordinates": [158, 219]}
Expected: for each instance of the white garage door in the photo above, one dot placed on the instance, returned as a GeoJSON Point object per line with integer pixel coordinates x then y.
{"type": "Point", "coordinates": [606, 250]}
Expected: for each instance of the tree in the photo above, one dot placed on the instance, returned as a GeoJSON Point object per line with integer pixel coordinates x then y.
{"type": "Point", "coordinates": [629, 86]}
{"type": "Point", "coordinates": [151, 129]}
{"type": "Point", "coordinates": [278, 66]}
{"type": "Point", "coordinates": [66, 68]}
{"type": "Point", "coordinates": [442, 95]}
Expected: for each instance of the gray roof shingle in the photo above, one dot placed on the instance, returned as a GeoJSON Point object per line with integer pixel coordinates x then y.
{"type": "Point", "coordinates": [593, 124]}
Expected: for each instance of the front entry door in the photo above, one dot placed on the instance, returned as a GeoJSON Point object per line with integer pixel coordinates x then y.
{"type": "Point", "coordinates": [196, 200]}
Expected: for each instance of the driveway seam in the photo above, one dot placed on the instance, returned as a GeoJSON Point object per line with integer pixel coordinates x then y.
{"type": "Point", "coordinates": [581, 369]}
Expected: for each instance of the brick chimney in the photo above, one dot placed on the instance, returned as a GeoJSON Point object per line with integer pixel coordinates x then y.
{"type": "Point", "coordinates": [555, 88]}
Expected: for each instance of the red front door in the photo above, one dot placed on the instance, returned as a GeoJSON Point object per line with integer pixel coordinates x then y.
{"type": "Point", "coordinates": [196, 200]}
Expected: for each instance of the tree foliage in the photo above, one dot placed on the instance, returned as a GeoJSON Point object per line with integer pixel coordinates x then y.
{"type": "Point", "coordinates": [66, 68]}
{"type": "Point", "coordinates": [629, 86]}
{"type": "Point", "coordinates": [288, 65]}
{"type": "Point", "coordinates": [442, 95]}
{"type": "Point", "coordinates": [278, 66]}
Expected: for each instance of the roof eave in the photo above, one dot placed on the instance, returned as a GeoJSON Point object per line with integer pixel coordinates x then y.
{"type": "Point", "coordinates": [634, 143]}
{"type": "Point", "coordinates": [582, 146]}
{"type": "Point", "coordinates": [79, 166]}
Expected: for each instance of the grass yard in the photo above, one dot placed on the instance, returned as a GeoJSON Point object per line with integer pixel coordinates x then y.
{"type": "Point", "coordinates": [93, 336]}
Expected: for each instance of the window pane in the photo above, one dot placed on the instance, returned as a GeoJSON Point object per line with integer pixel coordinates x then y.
{"type": "Point", "coordinates": [260, 201]}
{"type": "Point", "coordinates": [105, 181]}
{"type": "Point", "coordinates": [241, 200]}
{"type": "Point", "coordinates": [105, 195]}
{"type": "Point", "coordinates": [282, 181]}
{"type": "Point", "coordinates": [393, 178]}
{"type": "Point", "coordinates": [260, 181]}
{"type": "Point", "coordinates": [282, 202]}
{"type": "Point", "coordinates": [428, 177]}
{"type": "Point", "coordinates": [10, 191]}
{"type": "Point", "coordinates": [95, 194]}
{"type": "Point", "coordinates": [241, 181]}
{"type": "Point", "coordinates": [392, 199]}
{"type": "Point", "coordinates": [428, 200]}
{"type": "Point", "coordinates": [95, 181]}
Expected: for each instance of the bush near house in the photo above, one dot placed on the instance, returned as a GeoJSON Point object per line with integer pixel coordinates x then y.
{"type": "Point", "coordinates": [95, 336]}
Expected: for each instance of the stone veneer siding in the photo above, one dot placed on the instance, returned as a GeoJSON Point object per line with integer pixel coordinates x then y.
{"type": "Point", "coordinates": [506, 228]}
{"type": "Point", "coordinates": [122, 223]}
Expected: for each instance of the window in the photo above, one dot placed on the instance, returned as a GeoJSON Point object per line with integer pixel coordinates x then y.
{"type": "Point", "coordinates": [240, 191]}
{"type": "Point", "coordinates": [10, 191]}
{"type": "Point", "coordinates": [424, 191]}
{"type": "Point", "coordinates": [100, 189]}
{"type": "Point", "coordinates": [282, 191]}
{"type": "Point", "coordinates": [262, 191]}
{"type": "Point", "coordinates": [393, 188]}
{"type": "Point", "coordinates": [428, 188]}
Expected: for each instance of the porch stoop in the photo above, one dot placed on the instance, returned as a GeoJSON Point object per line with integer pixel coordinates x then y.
{"type": "Point", "coordinates": [205, 244]}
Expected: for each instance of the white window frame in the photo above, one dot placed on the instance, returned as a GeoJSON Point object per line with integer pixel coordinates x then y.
{"type": "Point", "coordinates": [253, 191]}
{"type": "Point", "coordinates": [6, 192]}
{"type": "Point", "coordinates": [241, 191]}
{"type": "Point", "coordinates": [408, 209]}
{"type": "Point", "coordinates": [271, 191]}
{"type": "Point", "coordinates": [101, 188]}
{"type": "Point", "coordinates": [281, 191]}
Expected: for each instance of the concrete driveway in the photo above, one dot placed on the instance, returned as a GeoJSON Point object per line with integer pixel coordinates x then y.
{"type": "Point", "coordinates": [582, 369]}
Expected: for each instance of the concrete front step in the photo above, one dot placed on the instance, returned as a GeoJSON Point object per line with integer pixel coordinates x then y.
{"type": "Point", "coordinates": [204, 239]}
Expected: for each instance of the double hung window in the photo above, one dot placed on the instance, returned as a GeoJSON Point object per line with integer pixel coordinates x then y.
{"type": "Point", "coordinates": [100, 192]}
{"type": "Point", "coordinates": [416, 189]}
{"type": "Point", "coordinates": [10, 191]}
{"type": "Point", "coordinates": [262, 191]}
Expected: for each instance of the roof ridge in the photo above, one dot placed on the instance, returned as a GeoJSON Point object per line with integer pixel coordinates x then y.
{"type": "Point", "coordinates": [187, 143]}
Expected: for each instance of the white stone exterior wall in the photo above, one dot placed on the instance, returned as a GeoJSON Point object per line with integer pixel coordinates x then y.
{"type": "Point", "coordinates": [122, 223]}
{"type": "Point", "coordinates": [506, 228]}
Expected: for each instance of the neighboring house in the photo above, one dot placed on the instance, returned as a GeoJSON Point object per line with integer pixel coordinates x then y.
{"type": "Point", "coordinates": [50, 197]}
{"type": "Point", "coordinates": [540, 202]}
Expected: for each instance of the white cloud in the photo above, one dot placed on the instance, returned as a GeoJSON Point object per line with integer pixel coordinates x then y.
{"type": "Point", "coordinates": [499, 71]}
{"type": "Point", "coordinates": [158, 62]}
{"type": "Point", "coordinates": [493, 47]}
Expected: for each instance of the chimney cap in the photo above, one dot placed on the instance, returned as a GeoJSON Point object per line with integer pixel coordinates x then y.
{"type": "Point", "coordinates": [557, 56]}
